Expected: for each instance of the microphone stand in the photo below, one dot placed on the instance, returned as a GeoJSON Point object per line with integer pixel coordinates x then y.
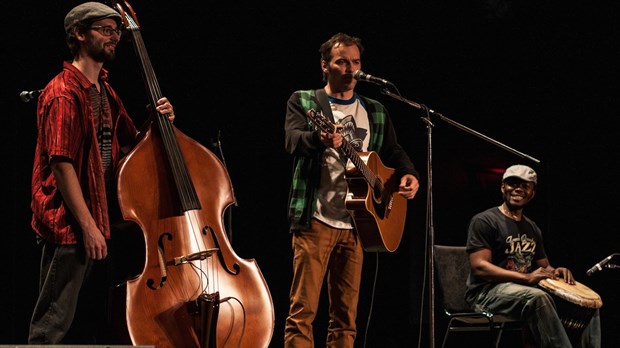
{"type": "Point", "coordinates": [430, 235]}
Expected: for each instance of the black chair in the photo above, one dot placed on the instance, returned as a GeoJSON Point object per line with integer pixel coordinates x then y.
{"type": "Point", "coordinates": [452, 269]}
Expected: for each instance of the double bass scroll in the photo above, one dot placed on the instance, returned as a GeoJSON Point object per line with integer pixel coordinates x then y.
{"type": "Point", "coordinates": [193, 291]}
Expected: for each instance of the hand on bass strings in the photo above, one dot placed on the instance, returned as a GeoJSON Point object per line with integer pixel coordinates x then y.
{"type": "Point", "coordinates": [164, 107]}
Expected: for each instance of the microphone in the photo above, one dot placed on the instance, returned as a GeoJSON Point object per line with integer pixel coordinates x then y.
{"type": "Point", "coordinates": [27, 96]}
{"type": "Point", "coordinates": [599, 266]}
{"type": "Point", "coordinates": [362, 76]}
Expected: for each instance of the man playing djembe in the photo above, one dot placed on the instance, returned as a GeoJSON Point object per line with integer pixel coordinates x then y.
{"type": "Point", "coordinates": [508, 261]}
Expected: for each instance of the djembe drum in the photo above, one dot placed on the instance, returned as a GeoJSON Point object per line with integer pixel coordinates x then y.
{"type": "Point", "coordinates": [576, 304]}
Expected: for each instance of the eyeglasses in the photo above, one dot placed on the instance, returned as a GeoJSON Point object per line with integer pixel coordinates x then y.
{"type": "Point", "coordinates": [106, 30]}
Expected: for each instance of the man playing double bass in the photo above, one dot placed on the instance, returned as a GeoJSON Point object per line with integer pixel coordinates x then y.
{"type": "Point", "coordinates": [83, 132]}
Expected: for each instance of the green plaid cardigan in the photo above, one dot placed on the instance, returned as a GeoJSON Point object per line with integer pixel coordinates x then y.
{"type": "Point", "coordinates": [303, 142]}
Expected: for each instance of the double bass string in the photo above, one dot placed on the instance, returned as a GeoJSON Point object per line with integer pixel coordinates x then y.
{"type": "Point", "coordinates": [188, 197]}
{"type": "Point", "coordinates": [179, 234]}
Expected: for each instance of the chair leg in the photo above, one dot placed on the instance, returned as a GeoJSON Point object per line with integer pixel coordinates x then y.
{"type": "Point", "coordinates": [445, 335]}
{"type": "Point", "coordinates": [498, 338]}
{"type": "Point", "coordinates": [445, 338]}
{"type": "Point", "coordinates": [497, 333]}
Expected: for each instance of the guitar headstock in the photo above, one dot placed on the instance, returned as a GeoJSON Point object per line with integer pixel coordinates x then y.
{"type": "Point", "coordinates": [321, 121]}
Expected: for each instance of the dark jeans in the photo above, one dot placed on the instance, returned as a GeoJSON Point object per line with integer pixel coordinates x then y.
{"type": "Point", "coordinates": [72, 302]}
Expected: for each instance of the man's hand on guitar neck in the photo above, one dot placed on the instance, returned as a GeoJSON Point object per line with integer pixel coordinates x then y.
{"type": "Point", "coordinates": [332, 139]}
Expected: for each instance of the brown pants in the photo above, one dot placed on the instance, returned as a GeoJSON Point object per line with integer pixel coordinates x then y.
{"type": "Point", "coordinates": [320, 251]}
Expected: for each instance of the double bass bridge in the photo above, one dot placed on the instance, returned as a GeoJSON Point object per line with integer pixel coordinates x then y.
{"type": "Point", "coordinates": [201, 255]}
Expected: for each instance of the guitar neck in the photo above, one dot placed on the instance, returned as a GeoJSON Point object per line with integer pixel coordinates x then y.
{"type": "Point", "coordinates": [327, 126]}
{"type": "Point", "coordinates": [352, 155]}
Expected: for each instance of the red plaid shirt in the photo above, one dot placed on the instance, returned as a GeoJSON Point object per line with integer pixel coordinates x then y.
{"type": "Point", "coordinates": [65, 127]}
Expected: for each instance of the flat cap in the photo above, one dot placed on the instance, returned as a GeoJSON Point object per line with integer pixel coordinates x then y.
{"type": "Point", "coordinates": [522, 172]}
{"type": "Point", "coordinates": [89, 11]}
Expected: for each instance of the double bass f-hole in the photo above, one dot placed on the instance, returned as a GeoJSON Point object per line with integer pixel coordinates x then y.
{"type": "Point", "coordinates": [162, 262]}
{"type": "Point", "coordinates": [179, 260]}
{"type": "Point", "coordinates": [193, 291]}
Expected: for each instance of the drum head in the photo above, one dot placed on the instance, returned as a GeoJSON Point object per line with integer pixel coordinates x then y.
{"type": "Point", "coordinates": [578, 293]}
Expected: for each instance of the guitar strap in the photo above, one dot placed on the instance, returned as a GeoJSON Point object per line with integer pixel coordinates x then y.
{"type": "Point", "coordinates": [324, 103]}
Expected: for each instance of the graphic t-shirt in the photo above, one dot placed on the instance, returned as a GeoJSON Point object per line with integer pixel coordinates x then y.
{"type": "Point", "coordinates": [515, 245]}
{"type": "Point", "coordinates": [352, 116]}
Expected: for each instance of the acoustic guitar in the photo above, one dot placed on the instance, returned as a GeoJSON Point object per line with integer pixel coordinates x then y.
{"type": "Point", "coordinates": [372, 198]}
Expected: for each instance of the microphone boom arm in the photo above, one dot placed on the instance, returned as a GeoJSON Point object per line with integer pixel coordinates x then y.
{"type": "Point", "coordinates": [387, 92]}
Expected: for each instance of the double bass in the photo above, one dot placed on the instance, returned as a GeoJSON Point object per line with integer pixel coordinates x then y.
{"type": "Point", "coordinates": [193, 289]}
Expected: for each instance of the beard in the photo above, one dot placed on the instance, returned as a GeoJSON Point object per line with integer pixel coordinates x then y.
{"type": "Point", "coordinates": [100, 53]}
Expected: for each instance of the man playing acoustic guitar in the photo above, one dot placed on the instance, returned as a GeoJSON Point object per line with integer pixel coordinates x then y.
{"type": "Point", "coordinates": [325, 239]}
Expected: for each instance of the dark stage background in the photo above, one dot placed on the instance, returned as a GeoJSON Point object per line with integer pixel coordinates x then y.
{"type": "Point", "coordinates": [538, 77]}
